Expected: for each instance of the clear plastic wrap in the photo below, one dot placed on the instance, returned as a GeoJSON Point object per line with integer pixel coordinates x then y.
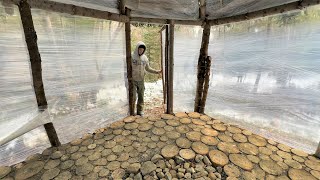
{"type": "Point", "coordinates": [165, 9]}
{"type": "Point", "coordinates": [102, 5]}
{"type": "Point", "coordinates": [83, 67]}
{"type": "Point", "coordinates": [20, 148]}
{"type": "Point", "coordinates": [187, 43]}
{"type": "Point", "coordinates": [226, 8]}
{"type": "Point", "coordinates": [19, 110]}
{"type": "Point", "coordinates": [265, 76]}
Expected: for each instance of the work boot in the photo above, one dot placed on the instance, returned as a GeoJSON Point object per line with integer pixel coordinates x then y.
{"type": "Point", "coordinates": [140, 113]}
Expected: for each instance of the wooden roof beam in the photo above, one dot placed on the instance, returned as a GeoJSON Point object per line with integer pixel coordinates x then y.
{"type": "Point", "coordinates": [74, 10]}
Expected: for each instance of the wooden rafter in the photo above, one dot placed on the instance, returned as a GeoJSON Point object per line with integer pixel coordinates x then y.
{"type": "Point", "coordinates": [81, 11]}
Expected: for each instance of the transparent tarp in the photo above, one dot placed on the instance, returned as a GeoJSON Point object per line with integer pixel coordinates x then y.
{"type": "Point", "coordinates": [83, 67]}
{"type": "Point", "coordinates": [102, 5]}
{"type": "Point", "coordinates": [20, 148]}
{"type": "Point", "coordinates": [265, 77]}
{"type": "Point", "coordinates": [226, 8]}
{"type": "Point", "coordinates": [83, 61]}
{"type": "Point", "coordinates": [187, 43]}
{"type": "Point", "coordinates": [165, 9]}
{"type": "Point", "coordinates": [17, 99]}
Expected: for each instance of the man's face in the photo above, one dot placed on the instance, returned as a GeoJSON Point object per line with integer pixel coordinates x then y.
{"type": "Point", "coordinates": [140, 50]}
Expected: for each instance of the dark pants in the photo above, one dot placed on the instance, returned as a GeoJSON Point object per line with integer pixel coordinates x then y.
{"type": "Point", "coordinates": [138, 87]}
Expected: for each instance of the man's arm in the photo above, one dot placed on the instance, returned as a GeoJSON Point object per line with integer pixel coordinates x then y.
{"type": "Point", "coordinates": [149, 69]}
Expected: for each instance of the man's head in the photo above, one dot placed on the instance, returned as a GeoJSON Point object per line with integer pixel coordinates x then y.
{"type": "Point", "coordinates": [141, 49]}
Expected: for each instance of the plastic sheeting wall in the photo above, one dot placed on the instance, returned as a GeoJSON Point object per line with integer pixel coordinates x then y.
{"type": "Point", "coordinates": [83, 66]}
{"type": "Point", "coordinates": [17, 99]}
{"type": "Point", "coordinates": [83, 62]}
{"type": "Point", "coordinates": [187, 43]}
{"type": "Point", "coordinates": [264, 79]}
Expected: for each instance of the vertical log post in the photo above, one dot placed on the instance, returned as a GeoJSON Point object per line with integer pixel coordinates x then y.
{"type": "Point", "coordinates": [202, 9]}
{"type": "Point", "coordinates": [201, 66]}
{"type": "Point", "coordinates": [206, 84]}
{"type": "Point", "coordinates": [122, 7]}
{"type": "Point", "coordinates": [166, 64]}
{"type": "Point", "coordinates": [318, 151]}
{"type": "Point", "coordinates": [35, 61]}
{"type": "Point", "coordinates": [170, 68]}
{"type": "Point", "coordinates": [163, 83]}
{"type": "Point", "coordinates": [129, 65]}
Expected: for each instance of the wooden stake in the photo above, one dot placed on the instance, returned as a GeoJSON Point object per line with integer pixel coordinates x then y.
{"type": "Point", "coordinates": [35, 61]}
{"type": "Point", "coordinates": [129, 64]}
{"type": "Point", "coordinates": [318, 151]}
{"type": "Point", "coordinates": [162, 74]}
{"type": "Point", "coordinates": [206, 84]}
{"type": "Point", "coordinates": [52, 134]}
{"type": "Point", "coordinates": [201, 66]}
{"type": "Point", "coordinates": [166, 65]}
{"type": "Point", "coordinates": [170, 68]}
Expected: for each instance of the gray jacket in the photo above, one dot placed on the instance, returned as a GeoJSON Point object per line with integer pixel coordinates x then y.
{"type": "Point", "coordinates": [140, 64]}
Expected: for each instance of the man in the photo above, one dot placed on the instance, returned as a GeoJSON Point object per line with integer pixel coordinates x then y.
{"type": "Point", "coordinates": [140, 64]}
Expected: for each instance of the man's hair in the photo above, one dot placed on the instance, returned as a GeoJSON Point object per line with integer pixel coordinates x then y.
{"type": "Point", "coordinates": [142, 46]}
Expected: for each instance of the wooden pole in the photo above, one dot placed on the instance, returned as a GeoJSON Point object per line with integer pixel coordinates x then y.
{"type": "Point", "coordinates": [122, 7]}
{"type": "Point", "coordinates": [206, 84]}
{"type": "Point", "coordinates": [170, 68]}
{"type": "Point", "coordinates": [129, 64]}
{"type": "Point", "coordinates": [35, 61]}
{"type": "Point", "coordinates": [318, 151]}
{"type": "Point", "coordinates": [162, 75]}
{"type": "Point", "coordinates": [202, 9]}
{"type": "Point", "coordinates": [201, 66]}
{"type": "Point", "coordinates": [166, 65]}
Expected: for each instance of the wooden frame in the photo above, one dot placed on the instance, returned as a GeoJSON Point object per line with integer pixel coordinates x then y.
{"type": "Point", "coordinates": [81, 11]}
{"type": "Point", "coordinates": [170, 68]}
{"type": "Point", "coordinates": [35, 61]}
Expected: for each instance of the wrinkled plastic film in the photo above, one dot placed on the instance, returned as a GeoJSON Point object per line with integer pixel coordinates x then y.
{"type": "Point", "coordinates": [166, 9]}
{"type": "Point", "coordinates": [264, 78]}
{"type": "Point", "coordinates": [227, 8]}
{"type": "Point", "coordinates": [83, 62]}
{"type": "Point", "coordinates": [19, 110]}
{"type": "Point", "coordinates": [187, 43]}
{"type": "Point", "coordinates": [102, 5]}
{"type": "Point", "coordinates": [20, 148]}
{"type": "Point", "coordinates": [268, 79]}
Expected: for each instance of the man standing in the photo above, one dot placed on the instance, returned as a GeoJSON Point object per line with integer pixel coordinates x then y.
{"type": "Point", "coordinates": [140, 64]}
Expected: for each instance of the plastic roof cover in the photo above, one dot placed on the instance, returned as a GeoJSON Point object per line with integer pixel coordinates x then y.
{"type": "Point", "coordinates": [267, 81]}
{"type": "Point", "coordinates": [226, 8]}
{"type": "Point", "coordinates": [83, 67]}
{"type": "Point", "coordinates": [179, 9]}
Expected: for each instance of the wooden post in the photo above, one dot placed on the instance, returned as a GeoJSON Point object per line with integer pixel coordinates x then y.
{"type": "Point", "coordinates": [170, 68]}
{"type": "Point", "coordinates": [35, 61]}
{"type": "Point", "coordinates": [122, 7]}
{"type": "Point", "coordinates": [318, 151]}
{"type": "Point", "coordinates": [206, 84]}
{"type": "Point", "coordinates": [162, 75]}
{"type": "Point", "coordinates": [201, 66]}
{"type": "Point", "coordinates": [129, 65]}
{"type": "Point", "coordinates": [166, 64]}
{"type": "Point", "coordinates": [202, 9]}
